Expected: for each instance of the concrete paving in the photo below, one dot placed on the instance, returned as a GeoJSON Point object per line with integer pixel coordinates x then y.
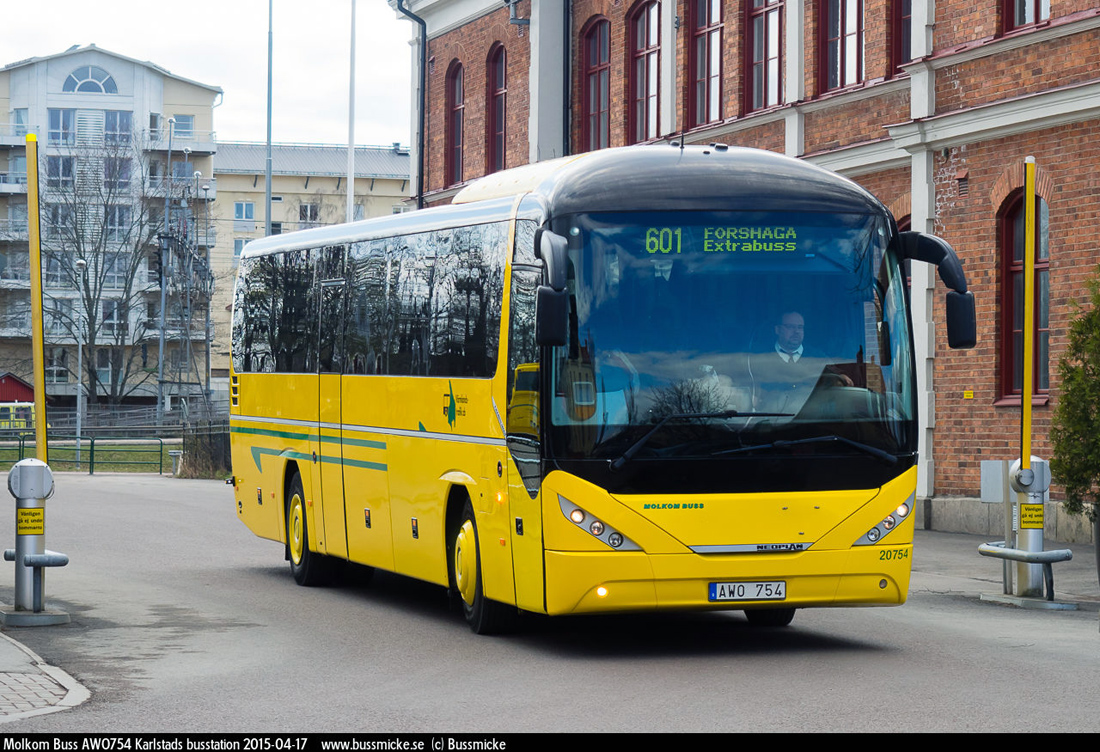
{"type": "Point", "coordinates": [942, 562]}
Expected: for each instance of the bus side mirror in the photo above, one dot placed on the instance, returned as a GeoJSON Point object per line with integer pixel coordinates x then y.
{"type": "Point", "coordinates": [553, 249]}
{"type": "Point", "coordinates": [962, 328]}
{"type": "Point", "coordinates": [961, 318]}
{"type": "Point", "coordinates": [551, 316]}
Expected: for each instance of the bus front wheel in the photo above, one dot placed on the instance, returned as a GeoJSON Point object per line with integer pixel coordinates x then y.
{"type": "Point", "coordinates": [484, 616]}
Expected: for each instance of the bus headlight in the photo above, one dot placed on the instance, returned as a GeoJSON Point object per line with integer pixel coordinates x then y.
{"type": "Point", "coordinates": [888, 523]}
{"type": "Point", "coordinates": [596, 527]}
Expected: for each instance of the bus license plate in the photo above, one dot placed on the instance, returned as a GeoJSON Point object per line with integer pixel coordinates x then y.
{"type": "Point", "coordinates": [775, 590]}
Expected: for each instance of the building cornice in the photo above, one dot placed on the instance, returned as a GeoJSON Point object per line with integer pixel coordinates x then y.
{"type": "Point", "coordinates": [1031, 112]}
{"type": "Point", "coordinates": [1058, 28]}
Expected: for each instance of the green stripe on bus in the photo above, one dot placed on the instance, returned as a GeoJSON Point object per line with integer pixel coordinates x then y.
{"type": "Point", "coordinates": [368, 443]}
{"type": "Point", "coordinates": [258, 453]}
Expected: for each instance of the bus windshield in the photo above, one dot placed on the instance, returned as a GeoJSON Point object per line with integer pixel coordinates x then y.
{"type": "Point", "coordinates": [731, 334]}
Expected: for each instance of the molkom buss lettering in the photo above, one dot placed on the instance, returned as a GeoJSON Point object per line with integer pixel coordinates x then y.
{"type": "Point", "coordinates": [565, 393]}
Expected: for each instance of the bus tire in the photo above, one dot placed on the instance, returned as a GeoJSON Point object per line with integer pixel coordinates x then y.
{"type": "Point", "coordinates": [770, 617]}
{"type": "Point", "coordinates": [308, 567]}
{"type": "Point", "coordinates": [484, 616]}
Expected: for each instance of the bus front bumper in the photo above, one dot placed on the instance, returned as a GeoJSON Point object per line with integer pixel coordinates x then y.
{"type": "Point", "coordinates": [594, 582]}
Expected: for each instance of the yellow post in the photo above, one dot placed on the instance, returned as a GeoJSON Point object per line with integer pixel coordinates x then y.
{"type": "Point", "coordinates": [37, 343]}
{"type": "Point", "coordinates": [1029, 312]}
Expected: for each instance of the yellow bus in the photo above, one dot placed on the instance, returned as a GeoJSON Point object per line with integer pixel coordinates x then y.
{"type": "Point", "coordinates": [563, 393]}
{"type": "Point", "coordinates": [18, 415]}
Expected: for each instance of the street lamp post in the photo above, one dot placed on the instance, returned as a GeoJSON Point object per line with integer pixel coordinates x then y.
{"type": "Point", "coordinates": [82, 270]}
{"type": "Point", "coordinates": [209, 289]}
{"type": "Point", "coordinates": [164, 247]}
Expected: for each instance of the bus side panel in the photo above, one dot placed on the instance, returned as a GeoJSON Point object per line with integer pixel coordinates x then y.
{"type": "Point", "coordinates": [455, 417]}
{"type": "Point", "coordinates": [273, 429]}
{"type": "Point", "coordinates": [527, 543]}
{"type": "Point", "coordinates": [367, 465]}
{"type": "Point", "coordinates": [330, 499]}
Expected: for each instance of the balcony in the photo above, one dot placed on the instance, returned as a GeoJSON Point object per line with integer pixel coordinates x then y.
{"type": "Point", "coordinates": [14, 134]}
{"type": "Point", "coordinates": [14, 231]}
{"type": "Point", "coordinates": [202, 143]}
{"type": "Point", "coordinates": [13, 182]}
{"type": "Point", "coordinates": [154, 187]}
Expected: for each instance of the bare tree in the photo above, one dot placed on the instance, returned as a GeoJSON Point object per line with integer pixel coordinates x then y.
{"type": "Point", "coordinates": [102, 211]}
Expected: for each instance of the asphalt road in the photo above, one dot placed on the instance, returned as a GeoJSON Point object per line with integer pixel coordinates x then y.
{"type": "Point", "coordinates": [183, 621]}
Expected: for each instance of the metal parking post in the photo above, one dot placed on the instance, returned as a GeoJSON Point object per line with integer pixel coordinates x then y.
{"type": "Point", "coordinates": [31, 483]}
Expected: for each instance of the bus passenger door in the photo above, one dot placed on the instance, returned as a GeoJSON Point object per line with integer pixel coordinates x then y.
{"type": "Point", "coordinates": [330, 275]}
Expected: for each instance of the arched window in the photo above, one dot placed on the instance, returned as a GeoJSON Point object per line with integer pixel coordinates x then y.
{"type": "Point", "coordinates": [456, 103]}
{"type": "Point", "coordinates": [497, 101]}
{"type": "Point", "coordinates": [645, 60]}
{"type": "Point", "coordinates": [1012, 298]}
{"type": "Point", "coordinates": [597, 85]}
{"type": "Point", "coordinates": [706, 61]}
{"type": "Point", "coordinates": [90, 79]}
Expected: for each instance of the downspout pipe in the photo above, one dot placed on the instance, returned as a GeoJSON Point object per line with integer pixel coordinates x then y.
{"type": "Point", "coordinates": [420, 138]}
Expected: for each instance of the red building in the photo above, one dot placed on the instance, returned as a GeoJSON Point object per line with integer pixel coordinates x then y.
{"type": "Point", "coordinates": [14, 389]}
{"type": "Point", "coordinates": [931, 106]}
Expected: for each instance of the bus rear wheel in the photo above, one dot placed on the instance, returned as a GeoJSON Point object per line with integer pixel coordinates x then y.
{"type": "Point", "coordinates": [770, 617]}
{"type": "Point", "coordinates": [484, 616]}
{"type": "Point", "coordinates": [309, 568]}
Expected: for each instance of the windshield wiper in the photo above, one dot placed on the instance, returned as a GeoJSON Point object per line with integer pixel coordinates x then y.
{"type": "Point", "coordinates": [781, 443]}
{"type": "Point", "coordinates": [620, 462]}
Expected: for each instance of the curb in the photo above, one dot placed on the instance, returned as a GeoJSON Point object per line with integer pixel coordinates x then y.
{"type": "Point", "coordinates": [34, 688]}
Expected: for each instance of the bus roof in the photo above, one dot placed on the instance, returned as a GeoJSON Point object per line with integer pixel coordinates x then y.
{"type": "Point", "coordinates": [631, 178]}
{"type": "Point", "coordinates": [706, 178]}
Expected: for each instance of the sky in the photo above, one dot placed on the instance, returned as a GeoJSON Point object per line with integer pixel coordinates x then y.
{"type": "Point", "coordinates": [224, 43]}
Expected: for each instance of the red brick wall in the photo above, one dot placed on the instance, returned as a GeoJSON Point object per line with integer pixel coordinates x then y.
{"type": "Point", "coordinates": [855, 121]}
{"type": "Point", "coordinates": [970, 430]}
{"type": "Point", "coordinates": [1014, 73]}
{"type": "Point", "coordinates": [470, 45]}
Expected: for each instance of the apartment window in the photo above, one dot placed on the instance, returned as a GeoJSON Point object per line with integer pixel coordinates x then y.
{"type": "Point", "coordinates": [1012, 298]}
{"type": "Point", "coordinates": [57, 365]}
{"type": "Point", "coordinates": [244, 216]}
{"type": "Point", "coordinates": [116, 173]}
{"type": "Point", "coordinates": [62, 127]}
{"type": "Point", "coordinates": [59, 218]}
{"type": "Point", "coordinates": [1018, 13]}
{"type": "Point", "coordinates": [456, 103]}
{"type": "Point", "coordinates": [842, 53]}
{"type": "Point", "coordinates": [53, 272]}
{"type": "Point", "coordinates": [497, 100]}
{"type": "Point", "coordinates": [57, 316]}
{"type": "Point", "coordinates": [59, 172]}
{"type": "Point", "coordinates": [597, 85]}
{"type": "Point", "coordinates": [116, 270]}
{"type": "Point", "coordinates": [117, 224]}
{"type": "Point", "coordinates": [238, 246]}
{"type": "Point", "coordinates": [184, 127]}
{"type": "Point", "coordinates": [765, 51]}
{"type": "Point", "coordinates": [706, 61]}
{"type": "Point", "coordinates": [308, 215]}
{"type": "Point", "coordinates": [19, 121]}
{"type": "Point", "coordinates": [117, 126]}
{"type": "Point", "coordinates": [644, 72]}
{"type": "Point", "coordinates": [90, 79]}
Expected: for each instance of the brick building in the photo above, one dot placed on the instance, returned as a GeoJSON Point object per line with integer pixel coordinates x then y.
{"type": "Point", "coordinates": [931, 106]}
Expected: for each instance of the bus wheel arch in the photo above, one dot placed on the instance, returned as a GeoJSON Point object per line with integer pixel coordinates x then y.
{"type": "Point", "coordinates": [484, 616]}
{"type": "Point", "coordinates": [308, 567]}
